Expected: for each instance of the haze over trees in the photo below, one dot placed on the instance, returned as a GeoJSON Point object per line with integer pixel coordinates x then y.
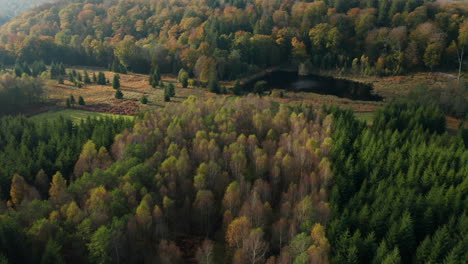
{"type": "Point", "coordinates": [13, 8]}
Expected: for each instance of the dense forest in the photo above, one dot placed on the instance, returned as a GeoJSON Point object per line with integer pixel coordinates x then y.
{"type": "Point", "coordinates": [229, 178]}
{"type": "Point", "coordinates": [12, 8]}
{"type": "Point", "coordinates": [19, 92]}
{"type": "Point", "coordinates": [240, 180]}
{"type": "Point", "coordinates": [400, 188]}
{"type": "Point", "coordinates": [235, 37]}
{"type": "Point", "coordinates": [36, 149]}
{"type": "Point", "coordinates": [224, 170]}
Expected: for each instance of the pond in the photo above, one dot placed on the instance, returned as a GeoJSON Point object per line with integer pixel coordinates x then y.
{"type": "Point", "coordinates": [291, 81]}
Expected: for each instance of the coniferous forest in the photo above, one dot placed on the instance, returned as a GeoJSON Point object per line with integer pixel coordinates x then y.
{"type": "Point", "coordinates": [232, 175]}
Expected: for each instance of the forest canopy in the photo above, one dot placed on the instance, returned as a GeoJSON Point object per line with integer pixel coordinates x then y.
{"type": "Point", "coordinates": [243, 180]}
{"type": "Point", "coordinates": [237, 37]}
{"type": "Point", "coordinates": [229, 178]}
{"type": "Point", "coordinates": [13, 8]}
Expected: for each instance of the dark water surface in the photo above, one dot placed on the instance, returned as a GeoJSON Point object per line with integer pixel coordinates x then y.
{"type": "Point", "coordinates": [291, 81]}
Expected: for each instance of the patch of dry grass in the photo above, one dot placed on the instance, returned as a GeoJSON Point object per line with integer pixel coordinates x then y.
{"type": "Point", "coordinates": [133, 86]}
{"type": "Point", "coordinates": [101, 97]}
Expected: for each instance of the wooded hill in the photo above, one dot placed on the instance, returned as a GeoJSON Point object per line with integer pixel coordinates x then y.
{"type": "Point", "coordinates": [237, 37]}
{"type": "Point", "coordinates": [13, 8]}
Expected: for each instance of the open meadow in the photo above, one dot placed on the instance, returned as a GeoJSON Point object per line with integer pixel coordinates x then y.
{"type": "Point", "coordinates": [100, 98]}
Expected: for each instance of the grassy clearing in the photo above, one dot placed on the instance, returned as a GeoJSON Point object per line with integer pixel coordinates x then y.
{"type": "Point", "coordinates": [392, 87]}
{"type": "Point", "coordinates": [134, 86]}
{"type": "Point", "coordinates": [100, 98]}
{"type": "Point", "coordinates": [74, 114]}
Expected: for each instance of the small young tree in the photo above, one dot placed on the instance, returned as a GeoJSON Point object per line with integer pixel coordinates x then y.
{"type": "Point", "coordinates": [94, 77]}
{"type": "Point", "coordinates": [61, 69]}
{"type": "Point", "coordinates": [118, 94]}
{"type": "Point", "coordinates": [101, 78]}
{"type": "Point", "coordinates": [144, 99]}
{"type": "Point", "coordinates": [72, 100]}
{"type": "Point", "coordinates": [86, 78]}
{"type": "Point", "coordinates": [81, 100]}
{"type": "Point", "coordinates": [167, 94]}
{"type": "Point", "coordinates": [71, 78]}
{"type": "Point", "coordinates": [171, 89]}
{"type": "Point", "coordinates": [116, 82]}
{"type": "Point", "coordinates": [155, 77]}
{"type": "Point", "coordinates": [183, 78]}
{"type": "Point", "coordinates": [67, 103]}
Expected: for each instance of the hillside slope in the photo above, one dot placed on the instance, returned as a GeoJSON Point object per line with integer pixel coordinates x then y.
{"type": "Point", "coordinates": [236, 37]}
{"type": "Point", "coordinates": [13, 8]}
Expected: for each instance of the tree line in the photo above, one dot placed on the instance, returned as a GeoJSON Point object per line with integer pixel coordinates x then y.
{"type": "Point", "coordinates": [237, 37]}
{"type": "Point", "coordinates": [18, 92]}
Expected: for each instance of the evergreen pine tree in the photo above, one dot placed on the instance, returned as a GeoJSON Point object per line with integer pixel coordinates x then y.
{"type": "Point", "coordinates": [81, 100]}
{"type": "Point", "coordinates": [72, 100]}
{"type": "Point", "coordinates": [155, 77]}
{"type": "Point", "coordinates": [171, 89]}
{"type": "Point", "coordinates": [101, 79]}
{"type": "Point", "coordinates": [116, 82]}
{"type": "Point", "coordinates": [86, 78]}
{"type": "Point", "coordinates": [61, 69]}
{"type": "Point", "coordinates": [213, 84]}
{"type": "Point", "coordinates": [118, 94]}
{"type": "Point", "coordinates": [167, 94]}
